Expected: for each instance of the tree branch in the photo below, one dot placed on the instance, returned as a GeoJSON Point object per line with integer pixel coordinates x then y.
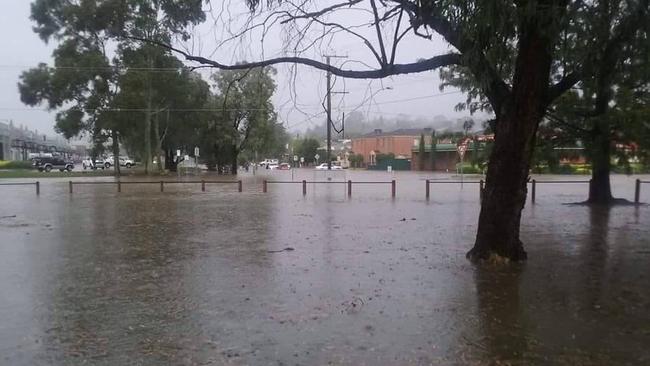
{"type": "Point", "coordinates": [378, 30]}
{"type": "Point", "coordinates": [321, 12]}
{"type": "Point", "coordinates": [380, 60]}
{"type": "Point", "coordinates": [390, 70]}
{"type": "Point", "coordinates": [567, 82]}
{"type": "Point", "coordinates": [396, 37]}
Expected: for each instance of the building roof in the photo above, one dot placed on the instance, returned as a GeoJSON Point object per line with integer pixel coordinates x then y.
{"type": "Point", "coordinates": [411, 132]}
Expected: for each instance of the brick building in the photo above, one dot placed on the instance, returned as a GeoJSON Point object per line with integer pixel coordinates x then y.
{"type": "Point", "coordinates": [399, 142]}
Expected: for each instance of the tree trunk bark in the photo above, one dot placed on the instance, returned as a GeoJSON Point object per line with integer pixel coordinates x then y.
{"type": "Point", "coordinates": [517, 120]}
{"type": "Point", "coordinates": [600, 190]}
{"type": "Point", "coordinates": [233, 162]}
{"type": "Point", "coordinates": [147, 123]}
{"type": "Point", "coordinates": [147, 138]}
{"type": "Point", "coordinates": [156, 127]}
{"type": "Point", "coordinates": [116, 152]}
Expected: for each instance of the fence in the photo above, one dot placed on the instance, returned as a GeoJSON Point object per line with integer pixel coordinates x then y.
{"type": "Point", "coordinates": [533, 190]}
{"type": "Point", "coordinates": [162, 183]}
{"type": "Point", "coordinates": [429, 182]}
{"type": "Point", "coordinates": [637, 189]}
{"type": "Point", "coordinates": [349, 183]}
{"type": "Point", "coordinates": [36, 184]}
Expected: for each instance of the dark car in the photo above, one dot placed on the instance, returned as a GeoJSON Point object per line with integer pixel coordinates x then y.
{"type": "Point", "coordinates": [47, 164]}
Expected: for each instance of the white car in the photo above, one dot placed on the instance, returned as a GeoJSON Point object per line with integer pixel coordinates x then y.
{"type": "Point", "coordinates": [98, 163]}
{"type": "Point", "coordinates": [272, 166]}
{"type": "Point", "coordinates": [267, 162]}
{"type": "Point", "coordinates": [323, 166]}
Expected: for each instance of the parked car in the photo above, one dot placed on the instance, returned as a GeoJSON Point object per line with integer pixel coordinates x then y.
{"type": "Point", "coordinates": [266, 162]}
{"type": "Point", "coordinates": [124, 161]}
{"type": "Point", "coordinates": [323, 166]}
{"type": "Point", "coordinates": [89, 164]}
{"type": "Point", "coordinates": [49, 163]}
{"type": "Point", "coordinates": [272, 166]}
{"type": "Point", "coordinates": [284, 166]}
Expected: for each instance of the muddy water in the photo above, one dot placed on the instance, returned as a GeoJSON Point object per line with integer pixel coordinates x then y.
{"type": "Point", "coordinates": [191, 278]}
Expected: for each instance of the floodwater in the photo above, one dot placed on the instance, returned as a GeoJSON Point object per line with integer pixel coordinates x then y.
{"type": "Point", "coordinates": [186, 277]}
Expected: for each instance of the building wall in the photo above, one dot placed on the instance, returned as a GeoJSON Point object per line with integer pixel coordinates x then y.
{"type": "Point", "coordinates": [445, 161]}
{"type": "Point", "coordinates": [17, 143]}
{"type": "Point", "coordinates": [5, 142]}
{"type": "Point", "coordinates": [398, 145]}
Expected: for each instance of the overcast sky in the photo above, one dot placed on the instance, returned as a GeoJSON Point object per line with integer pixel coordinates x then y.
{"type": "Point", "coordinates": [415, 95]}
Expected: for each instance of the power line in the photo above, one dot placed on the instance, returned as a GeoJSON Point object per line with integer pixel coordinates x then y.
{"type": "Point", "coordinates": [230, 109]}
{"type": "Point", "coordinates": [92, 68]}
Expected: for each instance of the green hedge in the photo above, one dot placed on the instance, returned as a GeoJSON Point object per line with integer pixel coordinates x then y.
{"type": "Point", "coordinates": [469, 169]}
{"type": "Point", "coordinates": [15, 164]}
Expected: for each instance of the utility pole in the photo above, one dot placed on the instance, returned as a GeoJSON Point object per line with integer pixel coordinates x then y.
{"type": "Point", "coordinates": [329, 110]}
{"type": "Point", "coordinates": [329, 116]}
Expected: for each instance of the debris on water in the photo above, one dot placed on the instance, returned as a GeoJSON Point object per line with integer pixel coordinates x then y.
{"type": "Point", "coordinates": [353, 305]}
{"type": "Point", "coordinates": [7, 217]}
{"type": "Point", "coordinates": [287, 249]}
{"type": "Point", "coordinates": [403, 219]}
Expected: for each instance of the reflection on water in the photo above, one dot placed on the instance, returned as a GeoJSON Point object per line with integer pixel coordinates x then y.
{"type": "Point", "coordinates": [192, 278]}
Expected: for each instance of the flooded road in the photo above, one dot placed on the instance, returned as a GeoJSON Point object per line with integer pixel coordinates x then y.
{"type": "Point", "coordinates": [187, 277]}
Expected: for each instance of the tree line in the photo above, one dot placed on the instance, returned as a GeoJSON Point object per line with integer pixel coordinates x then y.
{"type": "Point", "coordinates": [106, 84]}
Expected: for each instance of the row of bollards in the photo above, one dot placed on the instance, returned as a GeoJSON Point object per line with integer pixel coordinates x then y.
{"type": "Point", "coordinates": [428, 182]}
{"type": "Point", "coordinates": [349, 183]}
{"type": "Point", "coordinates": [533, 182]}
{"type": "Point", "coordinates": [240, 186]}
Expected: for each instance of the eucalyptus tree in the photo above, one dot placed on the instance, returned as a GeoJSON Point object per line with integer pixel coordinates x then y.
{"type": "Point", "coordinates": [84, 80]}
{"type": "Point", "coordinates": [246, 119]}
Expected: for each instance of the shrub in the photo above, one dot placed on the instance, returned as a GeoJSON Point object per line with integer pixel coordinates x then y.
{"type": "Point", "coordinates": [15, 164]}
{"type": "Point", "coordinates": [565, 169]}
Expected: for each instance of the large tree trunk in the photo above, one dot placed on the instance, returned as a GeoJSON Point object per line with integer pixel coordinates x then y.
{"type": "Point", "coordinates": [156, 128]}
{"type": "Point", "coordinates": [147, 138]}
{"type": "Point", "coordinates": [147, 123]}
{"type": "Point", "coordinates": [233, 162]}
{"type": "Point", "coordinates": [116, 152]}
{"type": "Point", "coordinates": [600, 190]}
{"type": "Point", "coordinates": [517, 121]}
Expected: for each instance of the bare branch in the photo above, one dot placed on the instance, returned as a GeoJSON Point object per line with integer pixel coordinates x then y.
{"type": "Point", "coordinates": [381, 60]}
{"type": "Point", "coordinates": [389, 70]}
{"type": "Point", "coordinates": [378, 29]}
{"type": "Point", "coordinates": [396, 37]}
{"type": "Point", "coordinates": [321, 12]}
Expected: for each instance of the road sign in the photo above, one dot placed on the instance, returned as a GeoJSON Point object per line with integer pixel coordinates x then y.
{"type": "Point", "coordinates": [295, 158]}
{"type": "Point", "coordinates": [302, 160]}
{"type": "Point", "coordinates": [178, 153]}
{"type": "Point", "coordinates": [316, 156]}
{"type": "Point", "coordinates": [461, 150]}
{"type": "Point", "coordinates": [196, 151]}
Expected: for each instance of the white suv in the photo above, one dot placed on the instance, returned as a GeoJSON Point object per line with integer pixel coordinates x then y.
{"type": "Point", "coordinates": [124, 161]}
